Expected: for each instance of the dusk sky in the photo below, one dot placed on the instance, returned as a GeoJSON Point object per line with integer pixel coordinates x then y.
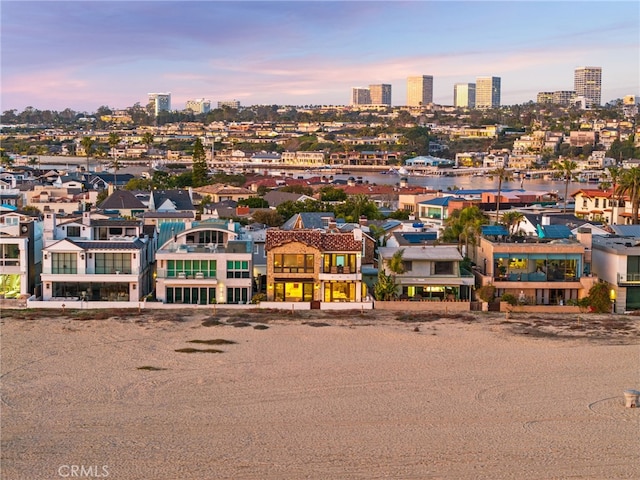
{"type": "Point", "coordinates": [85, 54]}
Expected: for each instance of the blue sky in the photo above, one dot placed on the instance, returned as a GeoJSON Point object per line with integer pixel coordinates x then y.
{"type": "Point", "coordinates": [84, 54]}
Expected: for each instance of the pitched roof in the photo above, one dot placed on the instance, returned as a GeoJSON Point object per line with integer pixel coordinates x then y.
{"type": "Point", "coordinates": [307, 220]}
{"type": "Point", "coordinates": [554, 231]}
{"type": "Point", "coordinates": [122, 199]}
{"type": "Point", "coordinates": [179, 198]}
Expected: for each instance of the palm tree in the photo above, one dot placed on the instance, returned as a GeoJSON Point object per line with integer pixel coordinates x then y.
{"type": "Point", "coordinates": [88, 145]}
{"type": "Point", "coordinates": [503, 175]}
{"type": "Point", "coordinates": [566, 169]}
{"type": "Point", "coordinates": [512, 220]}
{"type": "Point", "coordinates": [630, 185]}
{"type": "Point", "coordinates": [148, 139]}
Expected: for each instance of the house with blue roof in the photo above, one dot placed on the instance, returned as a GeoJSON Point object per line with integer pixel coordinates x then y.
{"type": "Point", "coordinates": [434, 211]}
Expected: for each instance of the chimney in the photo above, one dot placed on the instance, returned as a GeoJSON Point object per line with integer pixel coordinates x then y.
{"type": "Point", "coordinates": [86, 218]}
{"type": "Point", "coordinates": [49, 226]}
{"type": "Point", "coordinates": [363, 221]}
{"type": "Point", "coordinates": [585, 237]}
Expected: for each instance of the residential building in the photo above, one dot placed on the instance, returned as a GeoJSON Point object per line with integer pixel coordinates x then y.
{"type": "Point", "coordinates": [430, 272]}
{"type": "Point", "coordinates": [550, 270]}
{"type": "Point", "coordinates": [487, 92]}
{"type": "Point", "coordinates": [616, 258]}
{"type": "Point", "coordinates": [159, 102]}
{"type": "Point", "coordinates": [564, 97]}
{"type": "Point", "coordinates": [544, 97]}
{"type": "Point", "coordinates": [419, 90]}
{"type": "Point", "coordinates": [204, 263]}
{"type": "Point", "coordinates": [199, 105]}
{"type": "Point", "coordinates": [314, 265]}
{"type": "Point", "coordinates": [599, 205]}
{"type": "Point", "coordinates": [20, 253]}
{"type": "Point", "coordinates": [587, 83]}
{"type": "Point", "coordinates": [360, 96]}
{"type": "Point", "coordinates": [96, 258]}
{"type": "Point", "coordinates": [464, 95]}
{"type": "Point", "coordinates": [380, 94]}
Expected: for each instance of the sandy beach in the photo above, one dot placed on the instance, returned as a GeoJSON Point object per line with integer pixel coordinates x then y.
{"type": "Point", "coordinates": [276, 395]}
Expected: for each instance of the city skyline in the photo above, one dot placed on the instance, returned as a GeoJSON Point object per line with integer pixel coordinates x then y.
{"type": "Point", "coordinates": [82, 55]}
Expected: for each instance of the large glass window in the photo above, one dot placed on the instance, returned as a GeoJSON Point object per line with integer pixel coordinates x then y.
{"type": "Point", "coordinates": [113, 263]}
{"type": "Point", "coordinates": [538, 267]}
{"type": "Point", "coordinates": [443, 268]}
{"type": "Point", "coordinates": [340, 292]}
{"type": "Point", "coordinates": [206, 237]}
{"type": "Point", "coordinates": [237, 295]}
{"type": "Point", "coordinates": [73, 231]}
{"type": "Point", "coordinates": [339, 263]}
{"type": "Point", "coordinates": [293, 291]}
{"type": "Point", "coordinates": [191, 295]}
{"type": "Point", "coordinates": [64, 263]}
{"type": "Point", "coordinates": [293, 263]}
{"type": "Point", "coordinates": [177, 268]}
{"type": "Point", "coordinates": [238, 269]}
{"type": "Point", "coordinates": [9, 254]}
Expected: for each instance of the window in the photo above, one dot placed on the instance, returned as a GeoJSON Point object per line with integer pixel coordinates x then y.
{"type": "Point", "coordinates": [113, 262]}
{"type": "Point", "coordinates": [64, 263]}
{"type": "Point", "coordinates": [237, 269]}
{"type": "Point", "coordinates": [73, 231]}
{"type": "Point", "coordinates": [9, 254]}
{"type": "Point", "coordinates": [293, 263]}
{"type": "Point", "coordinates": [191, 267]}
{"type": "Point", "coordinates": [443, 268]}
{"type": "Point", "coordinates": [597, 203]}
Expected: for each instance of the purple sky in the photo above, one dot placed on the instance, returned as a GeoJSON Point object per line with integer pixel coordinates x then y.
{"type": "Point", "coordinates": [84, 54]}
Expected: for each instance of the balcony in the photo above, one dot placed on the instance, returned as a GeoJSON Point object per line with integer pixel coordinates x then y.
{"type": "Point", "coordinates": [628, 279]}
{"type": "Point", "coordinates": [166, 274]}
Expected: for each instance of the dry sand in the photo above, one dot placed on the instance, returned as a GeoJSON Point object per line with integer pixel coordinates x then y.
{"type": "Point", "coordinates": [336, 396]}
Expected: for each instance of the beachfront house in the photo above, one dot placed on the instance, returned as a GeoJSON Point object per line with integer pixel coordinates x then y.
{"type": "Point", "coordinates": [202, 263]}
{"type": "Point", "coordinates": [20, 253]}
{"type": "Point", "coordinates": [616, 259]}
{"type": "Point", "coordinates": [96, 258]}
{"type": "Point", "coordinates": [429, 273]}
{"type": "Point", "coordinates": [551, 270]}
{"type": "Point", "coordinates": [314, 264]}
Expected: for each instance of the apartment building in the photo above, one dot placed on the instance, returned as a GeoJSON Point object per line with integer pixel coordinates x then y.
{"type": "Point", "coordinates": [380, 94]}
{"type": "Point", "coordinates": [587, 83]}
{"type": "Point", "coordinates": [464, 95]}
{"type": "Point", "coordinates": [487, 92]}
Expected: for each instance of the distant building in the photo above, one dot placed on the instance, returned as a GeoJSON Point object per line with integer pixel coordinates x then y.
{"type": "Point", "coordinates": [380, 94]}
{"type": "Point", "coordinates": [487, 92]}
{"type": "Point", "coordinates": [588, 83]}
{"type": "Point", "coordinates": [419, 90]}
{"type": "Point", "coordinates": [199, 105]}
{"type": "Point", "coordinates": [464, 95]}
{"type": "Point", "coordinates": [160, 102]}
{"type": "Point", "coordinates": [233, 104]}
{"type": "Point", "coordinates": [544, 97]}
{"type": "Point", "coordinates": [360, 96]}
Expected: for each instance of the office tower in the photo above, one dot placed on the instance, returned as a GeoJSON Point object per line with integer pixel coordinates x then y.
{"type": "Point", "coordinates": [419, 90]}
{"type": "Point", "coordinates": [233, 104]}
{"type": "Point", "coordinates": [487, 92]}
{"type": "Point", "coordinates": [380, 94]}
{"type": "Point", "coordinates": [587, 82]}
{"type": "Point", "coordinates": [464, 95]}
{"type": "Point", "coordinates": [160, 102]}
{"type": "Point", "coordinates": [199, 105]}
{"type": "Point", "coordinates": [360, 96]}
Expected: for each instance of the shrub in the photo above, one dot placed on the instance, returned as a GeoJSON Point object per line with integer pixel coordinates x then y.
{"type": "Point", "coordinates": [486, 293]}
{"type": "Point", "coordinates": [510, 299]}
{"type": "Point", "coordinates": [599, 300]}
{"type": "Point", "coordinates": [258, 297]}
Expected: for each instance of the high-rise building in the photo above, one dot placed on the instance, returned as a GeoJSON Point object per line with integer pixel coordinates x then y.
{"type": "Point", "coordinates": [564, 97]}
{"type": "Point", "coordinates": [233, 104]}
{"type": "Point", "coordinates": [487, 92]}
{"type": "Point", "coordinates": [160, 102]}
{"type": "Point", "coordinates": [199, 105]}
{"type": "Point", "coordinates": [464, 95]}
{"type": "Point", "coordinates": [419, 90]}
{"type": "Point", "coordinates": [587, 82]}
{"type": "Point", "coordinates": [380, 94]}
{"type": "Point", "coordinates": [360, 96]}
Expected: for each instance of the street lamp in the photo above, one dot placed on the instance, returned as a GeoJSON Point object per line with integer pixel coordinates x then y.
{"type": "Point", "coordinates": [612, 297]}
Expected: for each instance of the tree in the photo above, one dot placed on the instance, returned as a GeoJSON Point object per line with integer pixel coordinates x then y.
{"type": "Point", "coordinates": [464, 226]}
{"type": "Point", "coordinates": [114, 141]}
{"type": "Point", "coordinates": [503, 175]}
{"type": "Point", "coordinates": [300, 189]}
{"type": "Point", "coordinates": [396, 262]}
{"type": "Point", "coordinates": [330, 193]}
{"type": "Point", "coordinates": [512, 220]}
{"type": "Point", "coordinates": [270, 218]}
{"type": "Point", "coordinates": [385, 288]}
{"type": "Point", "coordinates": [200, 170]}
{"type": "Point", "coordinates": [88, 144]}
{"type": "Point", "coordinates": [566, 168]}
{"type": "Point", "coordinates": [630, 186]}
{"type": "Point", "coordinates": [254, 202]}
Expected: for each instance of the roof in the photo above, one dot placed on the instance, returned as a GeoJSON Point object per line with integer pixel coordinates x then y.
{"type": "Point", "coordinates": [180, 199]}
{"type": "Point", "coordinates": [439, 201]}
{"type": "Point", "coordinates": [415, 238]}
{"type": "Point", "coordinates": [626, 230]}
{"type": "Point", "coordinates": [168, 230]}
{"type": "Point", "coordinates": [554, 231]}
{"type": "Point", "coordinates": [308, 220]}
{"type": "Point", "coordinates": [135, 244]}
{"type": "Point", "coordinates": [431, 252]}
{"type": "Point", "coordinates": [122, 199]}
{"type": "Point", "coordinates": [494, 230]}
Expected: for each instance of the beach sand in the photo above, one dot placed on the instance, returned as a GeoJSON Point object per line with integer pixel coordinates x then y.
{"type": "Point", "coordinates": [335, 396]}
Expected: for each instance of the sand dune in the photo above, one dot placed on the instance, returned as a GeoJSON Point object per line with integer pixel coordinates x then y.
{"type": "Point", "coordinates": [361, 397]}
